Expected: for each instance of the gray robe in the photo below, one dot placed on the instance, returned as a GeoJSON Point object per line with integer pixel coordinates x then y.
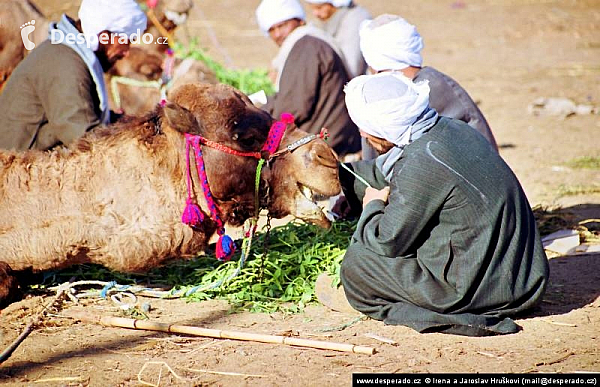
{"type": "Point", "coordinates": [449, 99]}
{"type": "Point", "coordinates": [344, 26]}
{"type": "Point", "coordinates": [456, 249]}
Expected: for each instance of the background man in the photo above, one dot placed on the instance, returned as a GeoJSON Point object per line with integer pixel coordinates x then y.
{"type": "Point", "coordinates": [57, 92]}
{"type": "Point", "coordinates": [310, 75]}
{"type": "Point", "coordinates": [390, 43]}
{"type": "Point", "coordinates": [341, 19]}
{"type": "Point", "coordinates": [446, 240]}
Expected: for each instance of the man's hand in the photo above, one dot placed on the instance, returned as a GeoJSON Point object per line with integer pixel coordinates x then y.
{"type": "Point", "coordinates": [273, 75]}
{"type": "Point", "coordinates": [373, 194]}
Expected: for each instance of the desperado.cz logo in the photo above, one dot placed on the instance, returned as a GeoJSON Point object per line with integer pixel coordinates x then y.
{"type": "Point", "coordinates": [58, 37]}
{"type": "Point", "coordinates": [26, 30]}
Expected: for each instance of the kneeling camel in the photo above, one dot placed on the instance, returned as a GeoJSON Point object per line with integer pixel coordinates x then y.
{"type": "Point", "coordinates": [116, 196]}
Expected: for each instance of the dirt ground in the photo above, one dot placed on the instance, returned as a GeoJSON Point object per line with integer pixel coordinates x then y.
{"type": "Point", "coordinates": [506, 53]}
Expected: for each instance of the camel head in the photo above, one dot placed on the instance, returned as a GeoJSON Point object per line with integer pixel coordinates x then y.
{"type": "Point", "coordinates": [173, 13]}
{"type": "Point", "coordinates": [140, 64]}
{"type": "Point", "coordinates": [146, 65]}
{"type": "Point", "coordinates": [299, 177]}
{"type": "Point", "coordinates": [226, 116]}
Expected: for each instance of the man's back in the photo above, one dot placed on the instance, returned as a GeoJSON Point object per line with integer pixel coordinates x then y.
{"type": "Point", "coordinates": [344, 25]}
{"type": "Point", "coordinates": [37, 107]}
{"type": "Point", "coordinates": [449, 99]}
{"type": "Point", "coordinates": [475, 190]}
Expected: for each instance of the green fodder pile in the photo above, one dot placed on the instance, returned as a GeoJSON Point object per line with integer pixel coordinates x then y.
{"type": "Point", "coordinates": [282, 279]}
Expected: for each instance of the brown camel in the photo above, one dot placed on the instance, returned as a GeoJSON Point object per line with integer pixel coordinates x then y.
{"type": "Point", "coordinates": [115, 197]}
{"type": "Point", "coordinates": [169, 15]}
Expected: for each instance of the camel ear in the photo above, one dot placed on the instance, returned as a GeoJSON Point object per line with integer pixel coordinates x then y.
{"type": "Point", "coordinates": [181, 119]}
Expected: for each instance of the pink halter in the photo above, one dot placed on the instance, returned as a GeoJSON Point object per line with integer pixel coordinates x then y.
{"type": "Point", "coordinates": [192, 215]}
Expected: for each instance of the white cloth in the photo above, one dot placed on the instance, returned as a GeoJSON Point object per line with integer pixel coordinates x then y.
{"type": "Point", "coordinates": [290, 41]}
{"type": "Point", "coordinates": [271, 12]}
{"type": "Point", "coordinates": [116, 16]}
{"type": "Point", "coordinates": [387, 105]}
{"type": "Point", "coordinates": [335, 3]}
{"type": "Point", "coordinates": [394, 45]}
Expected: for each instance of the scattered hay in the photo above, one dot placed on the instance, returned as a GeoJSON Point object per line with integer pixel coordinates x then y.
{"type": "Point", "coordinates": [552, 220]}
{"type": "Point", "coordinates": [566, 190]}
{"type": "Point", "coordinates": [587, 162]}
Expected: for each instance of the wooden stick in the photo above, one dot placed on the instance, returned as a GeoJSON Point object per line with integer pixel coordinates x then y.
{"type": "Point", "coordinates": [220, 334]}
{"type": "Point", "coordinates": [559, 323]}
{"type": "Point", "coordinates": [224, 373]}
{"type": "Point", "coordinates": [380, 338]}
{"type": "Point", "coordinates": [65, 379]}
{"type": "Point", "coordinates": [555, 360]}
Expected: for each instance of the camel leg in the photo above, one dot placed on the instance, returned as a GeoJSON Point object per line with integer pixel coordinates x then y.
{"type": "Point", "coordinates": [9, 286]}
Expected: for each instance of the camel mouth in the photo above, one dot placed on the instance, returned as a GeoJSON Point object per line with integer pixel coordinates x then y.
{"type": "Point", "coordinates": [307, 192]}
{"type": "Point", "coordinates": [308, 208]}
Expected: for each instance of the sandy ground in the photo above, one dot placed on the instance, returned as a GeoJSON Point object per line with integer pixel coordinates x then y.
{"type": "Point", "coordinates": [506, 53]}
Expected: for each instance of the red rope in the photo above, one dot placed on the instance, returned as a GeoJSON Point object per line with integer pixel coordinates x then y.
{"type": "Point", "coordinates": [226, 149]}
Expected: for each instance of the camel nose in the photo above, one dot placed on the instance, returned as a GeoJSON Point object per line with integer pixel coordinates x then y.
{"type": "Point", "coordinates": [324, 155]}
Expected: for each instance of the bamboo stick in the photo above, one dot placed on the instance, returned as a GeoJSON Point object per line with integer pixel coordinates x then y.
{"type": "Point", "coordinates": [232, 335]}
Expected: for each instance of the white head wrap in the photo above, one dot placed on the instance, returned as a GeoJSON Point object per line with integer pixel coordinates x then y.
{"type": "Point", "coordinates": [335, 3]}
{"type": "Point", "coordinates": [271, 12]}
{"type": "Point", "coordinates": [116, 16]}
{"type": "Point", "coordinates": [389, 42]}
{"type": "Point", "coordinates": [386, 105]}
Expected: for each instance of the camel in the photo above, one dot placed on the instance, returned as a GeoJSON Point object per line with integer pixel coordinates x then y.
{"type": "Point", "coordinates": [169, 15]}
{"type": "Point", "coordinates": [116, 196]}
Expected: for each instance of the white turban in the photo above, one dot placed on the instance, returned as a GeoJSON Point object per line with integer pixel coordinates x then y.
{"type": "Point", "coordinates": [116, 16]}
{"type": "Point", "coordinates": [271, 12]}
{"type": "Point", "coordinates": [386, 105]}
{"type": "Point", "coordinates": [389, 42]}
{"type": "Point", "coordinates": [335, 3]}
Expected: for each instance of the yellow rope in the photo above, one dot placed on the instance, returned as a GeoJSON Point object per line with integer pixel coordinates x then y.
{"type": "Point", "coordinates": [161, 29]}
{"type": "Point", "coordinates": [115, 80]}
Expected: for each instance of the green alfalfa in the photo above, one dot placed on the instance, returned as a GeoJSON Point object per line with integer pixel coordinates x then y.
{"type": "Point", "coordinates": [284, 277]}
{"type": "Point", "coordinates": [281, 279]}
